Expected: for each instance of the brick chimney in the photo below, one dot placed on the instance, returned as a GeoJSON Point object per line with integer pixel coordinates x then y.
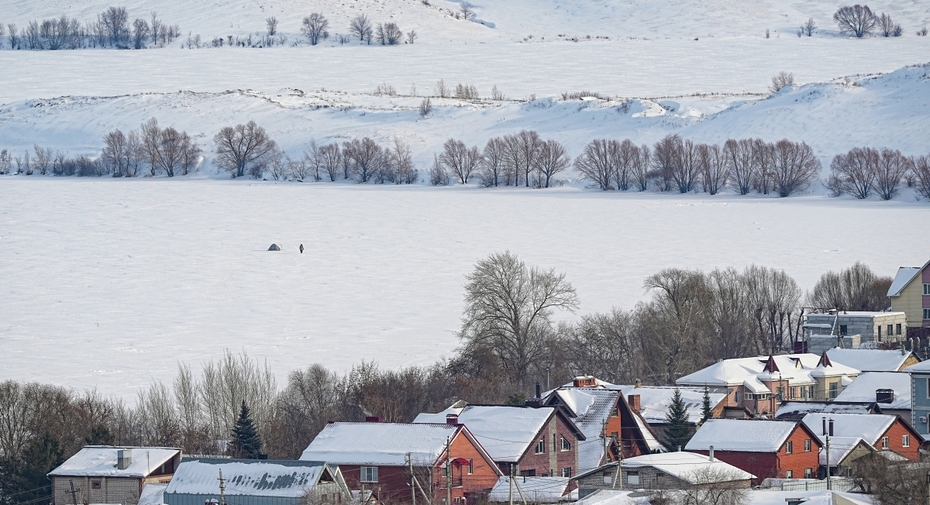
{"type": "Point", "coordinates": [584, 381]}
{"type": "Point", "coordinates": [633, 400]}
{"type": "Point", "coordinates": [452, 419]}
{"type": "Point", "coordinates": [373, 419]}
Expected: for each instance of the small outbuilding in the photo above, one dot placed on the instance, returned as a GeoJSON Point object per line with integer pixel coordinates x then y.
{"type": "Point", "coordinates": [109, 474]}
{"type": "Point", "coordinates": [681, 470]}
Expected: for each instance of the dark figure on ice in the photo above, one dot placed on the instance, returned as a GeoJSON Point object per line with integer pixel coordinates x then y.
{"type": "Point", "coordinates": [301, 248]}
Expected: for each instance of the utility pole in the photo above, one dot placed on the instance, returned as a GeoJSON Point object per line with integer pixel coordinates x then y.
{"type": "Point", "coordinates": [73, 492]}
{"type": "Point", "coordinates": [448, 472]}
{"type": "Point", "coordinates": [511, 483]}
{"type": "Point", "coordinates": [828, 432]}
{"type": "Point", "coordinates": [222, 488]}
{"type": "Point", "coordinates": [413, 488]}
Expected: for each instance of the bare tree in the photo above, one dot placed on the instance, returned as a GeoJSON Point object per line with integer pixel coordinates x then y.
{"type": "Point", "coordinates": [116, 153]}
{"type": "Point", "coordinates": [158, 28]}
{"type": "Point", "coordinates": [741, 164]}
{"type": "Point", "coordinates": [891, 169]}
{"type": "Point", "coordinates": [920, 167]}
{"type": "Point", "coordinates": [764, 155]}
{"type": "Point", "coordinates": [808, 27]}
{"type": "Point", "coordinates": [43, 159]}
{"type": "Point", "coordinates": [781, 80]}
{"type": "Point", "coordinates": [314, 27]}
{"type": "Point", "coordinates": [712, 166]}
{"type": "Point", "coordinates": [854, 288]}
{"type": "Point", "coordinates": [402, 161]}
{"type": "Point", "coordinates": [14, 36]}
{"type": "Point", "coordinates": [713, 486]}
{"type": "Point", "coordinates": [168, 150]}
{"type": "Point", "coordinates": [242, 148]}
{"type": "Point", "coordinates": [442, 91]}
{"type": "Point", "coordinates": [856, 19]}
{"type": "Point", "coordinates": [773, 298]}
{"type": "Point", "coordinates": [597, 163]}
{"type": "Point", "coordinates": [525, 146]}
{"type": "Point", "coordinates": [794, 167]}
{"type": "Point", "coordinates": [887, 27]}
{"type": "Point", "coordinates": [365, 157]}
{"type": "Point", "coordinates": [331, 160]}
{"type": "Point", "coordinates": [271, 25]}
{"type": "Point", "coordinates": [459, 160]}
{"type": "Point", "coordinates": [492, 162]}
{"type": "Point", "coordinates": [115, 22]}
{"type": "Point", "coordinates": [388, 34]}
{"type": "Point", "coordinates": [360, 27]}
{"type": "Point", "coordinates": [551, 159]}
{"type": "Point", "coordinates": [140, 32]}
{"type": "Point", "coordinates": [641, 174]}
{"type": "Point", "coordinates": [508, 307]}
{"type": "Point", "coordinates": [426, 106]}
{"type": "Point", "coordinates": [411, 36]}
{"type": "Point", "coordinates": [854, 172]}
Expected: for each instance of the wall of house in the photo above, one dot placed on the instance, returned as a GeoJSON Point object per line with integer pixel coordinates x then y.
{"type": "Point", "coordinates": [866, 325]}
{"type": "Point", "coordinates": [393, 481]}
{"type": "Point", "coordinates": [650, 478]}
{"type": "Point", "coordinates": [122, 490]}
{"type": "Point", "coordinates": [483, 476]}
{"type": "Point", "coordinates": [553, 459]}
{"type": "Point", "coordinates": [776, 464]}
{"type": "Point", "coordinates": [912, 301]}
{"type": "Point", "coordinates": [200, 499]}
{"type": "Point", "coordinates": [598, 480]}
{"type": "Point", "coordinates": [895, 436]}
{"type": "Point", "coordinates": [920, 402]}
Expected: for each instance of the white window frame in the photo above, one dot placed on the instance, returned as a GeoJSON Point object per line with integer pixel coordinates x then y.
{"type": "Point", "coordinates": [541, 446]}
{"type": "Point", "coordinates": [926, 314]}
{"type": "Point", "coordinates": [808, 473]}
{"type": "Point", "coordinates": [926, 289]}
{"type": "Point", "coordinates": [567, 471]}
{"type": "Point", "coordinates": [807, 445]}
{"type": "Point", "coordinates": [789, 447]}
{"type": "Point", "coordinates": [885, 443]}
{"type": "Point", "coordinates": [632, 477]}
{"type": "Point", "coordinates": [789, 474]}
{"type": "Point", "coordinates": [905, 440]}
{"type": "Point", "coordinates": [566, 445]}
{"type": "Point", "coordinates": [368, 474]}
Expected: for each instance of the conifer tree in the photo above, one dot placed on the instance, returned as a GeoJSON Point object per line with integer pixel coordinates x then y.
{"type": "Point", "coordinates": [678, 432]}
{"type": "Point", "coordinates": [706, 409]}
{"type": "Point", "coordinates": [245, 440]}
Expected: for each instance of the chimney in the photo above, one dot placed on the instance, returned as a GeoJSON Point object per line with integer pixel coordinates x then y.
{"type": "Point", "coordinates": [538, 391]}
{"type": "Point", "coordinates": [372, 419]}
{"type": "Point", "coordinates": [633, 400]}
{"type": "Point", "coordinates": [123, 459]}
{"type": "Point", "coordinates": [884, 396]}
{"type": "Point", "coordinates": [452, 419]}
{"type": "Point", "coordinates": [711, 453]}
{"type": "Point", "coordinates": [639, 383]}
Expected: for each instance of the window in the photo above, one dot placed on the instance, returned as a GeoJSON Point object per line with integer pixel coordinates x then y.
{"type": "Point", "coordinates": [879, 333]}
{"type": "Point", "coordinates": [95, 484]}
{"type": "Point", "coordinates": [890, 330]}
{"type": "Point", "coordinates": [843, 329]}
{"type": "Point", "coordinates": [632, 478]}
{"type": "Point", "coordinates": [528, 473]}
{"type": "Point", "coordinates": [926, 313]}
{"type": "Point", "coordinates": [834, 389]}
{"type": "Point", "coordinates": [807, 445]}
{"type": "Point", "coordinates": [884, 443]}
{"type": "Point", "coordinates": [608, 478]}
{"type": "Point", "coordinates": [789, 474]}
{"type": "Point", "coordinates": [369, 474]}
{"type": "Point", "coordinates": [789, 447]}
{"type": "Point", "coordinates": [749, 396]}
{"type": "Point", "coordinates": [808, 473]}
{"type": "Point", "coordinates": [566, 445]}
{"type": "Point", "coordinates": [471, 466]}
{"type": "Point", "coordinates": [736, 395]}
{"type": "Point", "coordinates": [541, 446]}
{"type": "Point", "coordinates": [897, 329]}
{"type": "Point", "coordinates": [567, 472]}
{"type": "Point", "coordinates": [926, 289]}
{"type": "Point", "coordinates": [905, 440]}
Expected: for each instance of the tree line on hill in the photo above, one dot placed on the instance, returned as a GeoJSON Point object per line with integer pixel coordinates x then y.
{"type": "Point", "coordinates": [111, 28]}
{"type": "Point", "coordinates": [510, 341]}
{"type": "Point", "coordinates": [672, 164]}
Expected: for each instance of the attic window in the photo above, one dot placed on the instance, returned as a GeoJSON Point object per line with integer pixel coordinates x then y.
{"type": "Point", "coordinates": [95, 484]}
{"type": "Point", "coordinates": [541, 446]}
{"type": "Point", "coordinates": [566, 445]}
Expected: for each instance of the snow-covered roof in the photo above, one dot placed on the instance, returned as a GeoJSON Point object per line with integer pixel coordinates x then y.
{"type": "Point", "coordinates": [152, 494]}
{"type": "Point", "coordinates": [795, 411]}
{"type": "Point", "coordinates": [840, 447]}
{"type": "Point", "coordinates": [922, 367]}
{"type": "Point", "coordinates": [868, 427]}
{"type": "Point", "coordinates": [253, 477]}
{"type": "Point", "coordinates": [535, 489]}
{"type": "Point", "coordinates": [379, 443]}
{"type": "Point", "coordinates": [654, 401]}
{"type": "Point", "coordinates": [797, 369]}
{"type": "Point", "coordinates": [100, 461]}
{"type": "Point", "coordinates": [438, 417]}
{"type": "Point", "coordinates": [590, 408]}
{"type": "Point", "coordinates": [689, 467]}
{"type": "Point", "coordinates": [744, 435]}
{"type": "Point", "coordinates": [870, 360]}
{"type": "Point", "coordinates": [863, 389]}
{"type": "Point", "coordinates": [505, 431]}
{"type": "Point", "coordinates": [901, 279]}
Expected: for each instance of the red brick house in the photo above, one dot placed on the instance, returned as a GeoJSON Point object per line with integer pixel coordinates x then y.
{"type": "Point", "coordinates": [532, 441]}
{"type": "Point", "coordinates": [377, 457]}
{"type": "Point", "coordinates": [880, 431]}
{"type": "Point", "coordinates": [780, 449]}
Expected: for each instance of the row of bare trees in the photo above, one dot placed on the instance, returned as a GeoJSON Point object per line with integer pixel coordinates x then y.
{"type": "Point", "coordinates": [522, 158]}
{"type": "Point", "coordinates": [112, 28]}
{"type": "Point", "coordinates": [159, 150]}
{"type": "Point", "coordinates": [860, 21]}
{"type": "Point", "coordinates": [865, 170]}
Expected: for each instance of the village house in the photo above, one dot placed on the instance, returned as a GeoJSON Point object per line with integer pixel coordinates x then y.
{"type": "Point", "coordinates": [920, 397]}
{"type": "Point", "coordinates": [653, 403]}
{"type": "Point", "coordinates": [681, 470]}
{"type": "Point", "coordinates": [881, 431]}
{"type": "Point", "coordinates": [446, 460]}
{"type": "Point", "coordinates": [910, 293]}
{"type": "Point", "coordinates": [874, 360]}
{"type": "Point", "coordinates": [759, 385]}
{"type": "Point", "coordinates": [764, 448]}
{"type": "Point", "coordinates": [110, 474]}
{"type": "Point", "coordinates": [256, 482]}
{"type": "Point", "coordinates": [523, 440]}
{"type": "Point", "coordinates": [868, 326]}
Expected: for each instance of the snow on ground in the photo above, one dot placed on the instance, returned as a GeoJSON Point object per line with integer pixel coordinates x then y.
{"type": "Point", "coordinates": [109, 283]}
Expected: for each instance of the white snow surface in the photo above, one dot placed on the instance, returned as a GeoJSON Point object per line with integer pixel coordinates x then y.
{"type": "Point", "coordinates": [379, 443]}
{"type": "Point", "coordinates": [101, 461]}
{"type": "Point", "coordinates": [754, 496]}
{"type": "Point", "coordinates": [282, 479]}
{"type": "Point", "coordinates": [863, 388]}
{"type": "Point", "coordinates": [152, 494]}
{"type": "Point", "coordinates": [797, 369]}
{"type": "Point", "coordinates": [108, 284]}
{"type": "Point", "coordinates": [591, 407]}
{"type": "Point", "coordinates": [536, 490]}
{"type": "Point", "coordinates": [870, 360]}
{"type": "Point", "coordinates": [688, 466]}
{"type": "Point", "coordinates": [868, 427]}
{"type": "Point", "coordinates": [741, 435]}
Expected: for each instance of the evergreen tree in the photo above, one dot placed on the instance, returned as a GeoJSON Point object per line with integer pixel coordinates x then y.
{"type": "Point", "coordinates": [24, 479]}
{"type": "Point", "coordinates": [678, 432]}
{"type": "Point", "coordinates": [706, 409]}
{"type": "Point", "coordinates": [245, 440]}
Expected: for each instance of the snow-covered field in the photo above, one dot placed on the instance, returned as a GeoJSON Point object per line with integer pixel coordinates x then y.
{"type": "Point", "coordinates": [108, 283]}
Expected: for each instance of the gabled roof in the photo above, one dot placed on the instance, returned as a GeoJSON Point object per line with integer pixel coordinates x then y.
{"type": "Point", "coordinates": [795, 411]}
{"type": "Point", "coordinates": [536, 490]}
{"type": "Point", "coordinates": [590, 408]}
{"type": "Point", "coordinates": [507, 431]}
{"type": "Point", "coordinates": [654, 401]}
{"type": "Point", "coordinates": [867, 427]}
{"type": "Point", "coordinates": [840, 447]}
{"type": "Point", "coordinates": [100, 461]}
{"type": "Point", "coordinates": [380, 443]}
{"type": "Point", "coordinates": [742, 435]}
{"type": "Point", "coordinates": [870, 360]}
{"type": "Point", "coordinates": [922, 367]}
{"type": "Point", "coordinates": [689, 467]}
{"type": "Point", "coordinates": [864, 387]}
{"type": "Point", "coordinates": [904, 277]}
{"type": "Point", "coordinates": [797, 369]}
{"type": "Point", "coordinates": [247, 477]}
